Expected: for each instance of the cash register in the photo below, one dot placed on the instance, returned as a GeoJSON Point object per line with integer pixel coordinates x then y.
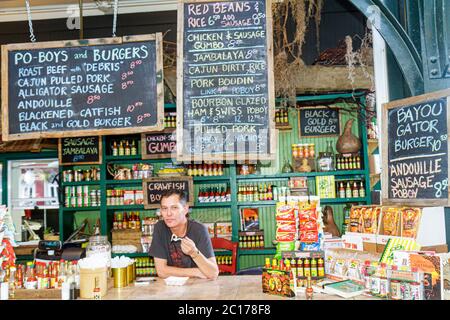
{"type": "Point", "coordinates": [72, 249]}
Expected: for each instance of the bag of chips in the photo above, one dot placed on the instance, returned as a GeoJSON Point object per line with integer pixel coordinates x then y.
{"type": "Point", "coordinates": [284, 246]}
{"type": "Point", "coordinates": [410, 221]}
{"type": "Point", "coordinates": [285, 212]}
{"type": "Point", "coordinates": [370, 220]}
{"type": "Point", "coordinates": [283, 227]}
{"type": "Point", "coordinates": [285, 237]}
{"type": "Point", "coordinates": [390, 219]}
{"type": "Point", "coordinates": [355, 219]}
{"type": "Point", "coordinates": [309, 236]}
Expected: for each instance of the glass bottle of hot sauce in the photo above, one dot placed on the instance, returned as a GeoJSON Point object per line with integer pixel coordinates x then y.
{"type": "Point", "coordinates": [125, 221]}
{"type": "Point", "coordinates": [267, 265]}
{"type": "Point", "coordinates": [309, 290]}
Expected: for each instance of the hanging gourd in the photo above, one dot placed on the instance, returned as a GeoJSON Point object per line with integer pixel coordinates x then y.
{"type": "Point", "coordinates": [348, 142]}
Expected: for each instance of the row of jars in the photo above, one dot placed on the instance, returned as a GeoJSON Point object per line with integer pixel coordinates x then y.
{"type": "Point", "coordinates": [303, 150]}
{"type": "Point", "coordinates": [92, 174]}
{"type": "Point", "coordinates": [120, 197]}
{"type": "Point", "coordinates": [81, 196]}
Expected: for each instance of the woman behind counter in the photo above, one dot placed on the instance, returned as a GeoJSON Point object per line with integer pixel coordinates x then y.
{"type": "Point", "coordinates": [180, 246]}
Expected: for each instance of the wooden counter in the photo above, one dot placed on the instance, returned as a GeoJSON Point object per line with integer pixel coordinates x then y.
{"type": "Point", "coordinates": [224, 288]}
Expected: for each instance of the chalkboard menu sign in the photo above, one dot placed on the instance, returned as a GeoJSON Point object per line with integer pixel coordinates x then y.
{"type": "Point", "coordinates": [158, 145]}
{"type": "Point", "coordinates": [155, 187]}
{"type": "Point", "coordinates": [82, 87]}
{"type": "Point", "coordinates": [415, 150]}
{"type": "Point", "coordinates": [225, 80]}
{"type": "Point", "coordinates": [82, 150]}
{"type": "Point", "coordinates": [319, 122]}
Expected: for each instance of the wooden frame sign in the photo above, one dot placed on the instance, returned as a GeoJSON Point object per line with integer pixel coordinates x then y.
{"type": "Point", "coordinates": [415, 151]}
{"type": "Point", "coordinates": [319, 122]}
{"type": "Point", "coordinates": [158, 145]}
{"type": "Point", "coordinates": [82, 87]}
{"type": "Point", "coordinates": [225, 81]}
{"type": "Point", "coordinates": [154, 187]}
{"type": "Point", "coordinates": [79, 151]}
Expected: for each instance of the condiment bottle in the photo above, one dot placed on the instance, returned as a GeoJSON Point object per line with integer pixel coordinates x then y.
{"type": "Point", "coordinates": [348, 191]}
{"type": "Point", "coordinates": [133, 149]}
{"type": "Point", "coordinates": [320, 268]}
{"type": "Point", "coordinates": [313, 267]}
{"type": "Point", "coordinates": [300, 271]}
{"type": "Point", "coordinates": [309, 290]}
{"type": "Point", "coordinates": [362, 191]}
{"type": "Point", "coordinates": [306, 268]}
{"type": "Point", "coordinates": [267, 265]}
{"type": "Point", "coordinates": [355, 190]}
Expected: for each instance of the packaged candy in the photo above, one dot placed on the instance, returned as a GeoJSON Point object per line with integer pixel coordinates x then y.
{"type": "Point", "coordinates": [390, 219]}
{"type": "Point", "coordinates": [286, 227]}
{"type": "Point", "coordinates": [285, 237]}
{"type": "Point", "coordinates": [410, 222]}
{"type": "Point", "coordinates": [285, 212]}
{"type": "Point", "coordinates": [309, 236]}
{"type": "Point", "coordinates": [355, 219]}
{"type": "Point", "coordinates": [315, 246]}
{"type": "Point", "coordinates": [284, 246]}
{"type": "Point", "coordinates": [309, 214]}
{"type": "Point", "coordinates": [309, 225]}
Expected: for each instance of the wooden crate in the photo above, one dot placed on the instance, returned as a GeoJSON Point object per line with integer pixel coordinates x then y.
{"type": "Point", "coordinates": [127, 237]}
{"type": "Point", "coordinates": [127, 234]}
{"type": "Point", "coordinates": [50, 294]}
{"type": "Point", "coordinates": [24, 250]}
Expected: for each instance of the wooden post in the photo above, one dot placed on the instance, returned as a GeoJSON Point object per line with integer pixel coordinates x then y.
{"type": "Point", "coordinates": [81, 19]}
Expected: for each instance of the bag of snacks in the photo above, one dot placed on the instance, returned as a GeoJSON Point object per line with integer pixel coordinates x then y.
{"type": "Point", "coordinates": [283, 227]}
{"type": "Point", "coordinates": [370, 219]}
{"type": "Point", "coordinates": [285, 237]}
{"type": "Point", "coordinates": [285, 212]}
{"type": "Point", "coordinates": [284, 246]}
{"type": "Point", "coordinates": [410, 221]}
{"type": "Point", "coordinates": [307, 213]}
{"type": "Point", "coordinates": [390, 219]}
{"type": "Point", "coordinates": [355, 219]}
{"type": "Point", "coordinates": [309, 236]}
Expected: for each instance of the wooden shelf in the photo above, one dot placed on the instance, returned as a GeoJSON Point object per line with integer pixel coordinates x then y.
{"type": "Point", "coordinates": [123, 182]}
{"type": "Point", "coordinates": [213, 178]}
{"type": "Point", "coordinates": [265, 251]}
{"type": "Point", "coordinates": [127, 207]}
{"type": "Point", "coordinates": [342, 200]}
{"type": "Point", "coordinates": [212, 204]}
{"type": "Point", "coordinates": [257, 203]}
{"type": "Point", "coordinates": [283, 128]}
{"type": "Point", "coordinates": [303, 174]}
{"type": "Point", "coordinates": [123, 158]}
{"type": "Point", "coordinates": [81, 183]}
{"type": "Point", "coordinates": [83, 209]}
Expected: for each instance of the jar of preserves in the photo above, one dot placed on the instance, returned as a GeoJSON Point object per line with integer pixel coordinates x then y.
{"type": "Point", "coordinates": [301, 153]}
{"type": "Point", "coordinates": [68, 176]}
{"type": "Point", "coordinates": [312, 151]}
{"type": "Point", "coordinates": [306, 151]}
{"type": "Point", "coordinates": [294, 151]}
